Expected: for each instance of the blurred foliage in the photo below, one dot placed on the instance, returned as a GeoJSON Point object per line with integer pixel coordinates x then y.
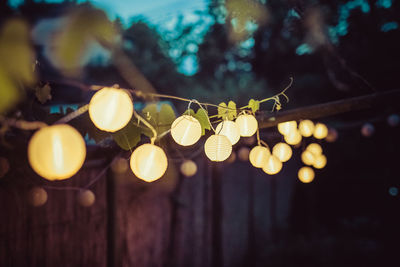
{"type": "Point", "coordinates": [227, 112]}
{"type": "Point", "coordinates": [202, 116]}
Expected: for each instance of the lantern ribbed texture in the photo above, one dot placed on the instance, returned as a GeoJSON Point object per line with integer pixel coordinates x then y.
{"type": "Point", "coordinates": [186, 130]}
{"type": "Point", "coordinates": [306, 128]}
{"type": "Point", "coordinates": [258, 156]}
{"type": "Point", "coordinates": [149, 162]}
{"type": "Point", "coordinates": [230, 130]}
{"type": "Point", "coordinates": [273, 165]}
{"type": "Point", "coordinates": [247, 124]}
{"type": "Point", "coordinates": [218, 147]}
{"type": "Point", "coordinates": [282, 151]}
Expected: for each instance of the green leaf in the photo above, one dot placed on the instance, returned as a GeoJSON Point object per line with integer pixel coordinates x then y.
{"type": "Point", "coordinates": [254, 105]}
{"type": "Point", "coordinates": [222, 111]}
{"type": "Point", "coordinates": [43, 93]}
{"type": "Point", "coordinates": [189, 112]}
{"type": "Point", "coordinates": [160, 120]}
{"type": "Point", "coordinates": [202, 117]}
{"type": "Point", "coordinates": [227, 112]}
{"type": "Point", "coordinates": [232, 113]}
{"type": "Point", "coordinates": [128, 137]}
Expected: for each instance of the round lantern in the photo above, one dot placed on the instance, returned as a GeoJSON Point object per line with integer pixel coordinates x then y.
{"type": "Point", "coordinates": [243, 153]}
{"type": "Point", "coordinates": [293, 138]}
{"type": "Point", "coordinates": [320, 131]}
{"type": "Point", "coordinates": [247, 124]}
{"type": "Point", "coordinates": [258, 156]}
{"type": "Point", "coordinates": [306, 174]}
{"type": "Point", "coordinates": [287, 127]}
{"type": "Point", "coordinates": [272, 166]}
{"type": "Point", "coordinates": [314, 148]}
{"type": "Point", "coordinates": [282, 151]}
{"type": "Point", "coordinates": [110, 109]}
{"type": "Point", "coordinates": [149, 162]}
{"type": "Point", "coordinates": [218, 147]}
{"type": "Point", "coordinates": [188, 168]}
{"type": "Point", "coordinates": [306, 128]}
{"type": "Point", "coordinates": [37, 196]}
{"type": "Point", "coordinates": [86, 198]}
{"type": "Point", "coordinates": [230, 130]}
{"type": "Point", "coordinates": [308, 157]}
{"type": "Point", "coordinates": [320, 161]}
{"type": "Point", "coordinates": [56, 152]}
{"type": "Point", "coordinates": [186, 130]}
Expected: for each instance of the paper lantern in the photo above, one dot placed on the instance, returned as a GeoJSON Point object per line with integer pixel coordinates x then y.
{"type": "Point", "coordinates": [273, 165]}
{"type": "Point", "coordinates": [258, 156]}
{"type": "Point", "coordinates": [186, 130]}
{"type": "Point", "coordinates": [306, 128]}
{"type": "Point", "coordinates": [367, 130]}
{"type": "Point", "coordinates": [149, 162]}
{"type": "Point", "coordinates": [306, 174]}
{"type": "Point", "coordinates": [56, 152]}
{"type": "Point", "coordinates": [332, 135]}
{"type": "Point", "coordinates": [218, 147]}
{"type": "Point", "coordinates": [243, 153]}
{"type": "Point", "coordinates": [320, 161]}
{"type": "Point", "coordinates": [282, 151]}
{"type": "Point", "coordinates": [320, 131]}
{"type": "Point", "coordinates": [188, 168]}
{"type": "Point", "coordinates": [314, 148]}
{"type": "Point", "coordinates": [293, 138]}
{"type": "Point", "coordinates": [86, 198]}
{"type": "Point", "coordinates": [37, 196]}
{"type": "Point", "coordinates": [247, 124]}
{"type": "Point", "coordinates": [287, 127]}
{"type": "Point", "coordinates": [110, 109]}
{"type": "Point", "coordinates": [229, 129]}
{"type": "Point", "coordinates": [308, 157]}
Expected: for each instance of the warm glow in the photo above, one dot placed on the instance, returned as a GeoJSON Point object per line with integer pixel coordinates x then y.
{"type": "Point", "coordinates": [307, 157]}
{"type": "Point", "coordinates": [149, 162]}
{"type": "Point", "coordinates": [56, 152]}
{"type": "Point", "coordinates": [306, 174]}
{"type": "Point", "coordinates": [293, 138]}
{"type": "Point", "coordinates": [188, 168]}
{"type": "Point", "coordinates": [229, 129]}
{"type": "Point", "coordinates": [218, 147]}
{"type": "Point", "coordinates": [186, 130]}
{"type": "Point", "coordinates": [273, 165]}
{"type": "Point", "coordinates": [306, 128]}
{"type": "Point", "coordinates": [320, 131]}
{"type": "Point", "coordinates": [110, 109]}
{"type": "Point", "coordinates": [287, 127]}
{"type": "Point", "coordinates": [86, 198]}
{"type": "Point", "coordinates": [243, 153]}
{"type": "Point", "coordinates": [320, 161]}
{"type": "Point", "coordinates": [314, 148]}
{"type": "Point", "coordinates": [247, 124]}
{"type": "Point", "coordinates": [282, 151]}
{"type": "Point", "coordinates": [258, 156]}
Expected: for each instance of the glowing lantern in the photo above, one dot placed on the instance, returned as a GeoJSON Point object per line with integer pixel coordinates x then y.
{"type": "Point", "coordinates": [110, 109]}
{"type": "Point", "coordinates": [308, 157]}
{"type": "Point", "coordinates": [56, 152]}
{"type": "Point", "coordinates": [86, 198]}
{"type": "Point", "coordinates": [258, 156]}
{"type": "Point", "coordinates": [218, 147]}
{"type": "Point", "coordinates": [320, 161]}
{"type": "Point", "coordinates": [287, 127]}
{"type": "Point", "coordinates": [272, 166]}
{"type": "Point", "coordinates": [186, 130]}
{"type": "Point", "coordinates": [320, 131]}
{"type": "Point", "coordinates": [230, 130]}
{"type": "Point", "coordinates": [247, 124]}
{"type": "Point", "coordinates": [188, 168]}
{"type": "Point", "coordinates": [149, 162]}
{"type": "Point", "coordinates": [306, 174]}
{"type": "Point", "coordinates": [314, 148]}
{"type": "Point", "coordinates": [293, 138]}
{"type": "Point", "coordinates": [37, 196]}
{"type": "Point", "coordinates": [306, 128]}
{"type": "Point", "coordinates": [282, 151]}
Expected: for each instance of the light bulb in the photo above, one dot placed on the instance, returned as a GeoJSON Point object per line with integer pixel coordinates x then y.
{"type": "Point", "coordinates": [218, 147]}
{"type": "Point", "coordinates": [188, 168]}
{"type": "Point", "coordinates": [306, 174]}
{"type": "Point", "coordinates": [229, 129]}
{"type": "Point", "coordinates": [247, 124]}
{"type": "Point", "coordinates": [86, 198]}
{"type": "Point", "coordinates": [314, 148]}
{"type": "Point", "coordinates": [293, 138]}
{"type": "Point", "coordinates": [56, 152]}
{"type": "Point", "coordinates": [320, 161]}
{"type": "Point", "coordinates": [307, 157]}
{"type": "Point", "coordinates": [272, 166]}
{"type": "Point", "coordinates": [149, 162]}
{"type": "Point", "coordinates": [282, 151]}
{"type": "Point", "coordinates": [186, 130]}
{"type": "Point", "coordinates": [258, 156]}
{"type": "Point", "coordinates": [320, 131]}
{"type": "Point", "coordinates": [37, 196]}
{"type": "Point", "coordinates": [306, 128]}
{"type": "Point", "coordinates": [287, 127]}
{"type": "Point", "coordinates": [110, 109]}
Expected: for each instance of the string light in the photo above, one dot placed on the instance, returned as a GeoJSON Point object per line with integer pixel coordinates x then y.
{"type": "Point", "coordinates": [188, 168]}
{"type": "Point", "coordinates": [243, 153]}
{"type": "Point", "coordinates": [86, 198]}
{"type": "Point", "coordinates": [306, 128]}
{"type": "Point", "coordinates": [320, 131]}
{"type": "Point", "coordinates": [247, 124]}
{"type": "Point", "coordinates": [307, 157]}
{"type": "Point", "coordinates": [287, 127]}
{"type": "Point", "coordinates": [282, 151]}
{"type": "Point", "coordinates": [306, 174]}
{"type": "Point", "coordinates": [314, 148]}
{"type": "Point", "coordinates": [272, 165]}
{"type": "Point", "coordinates": [229, 129]}
{"type": "Point", "coordinates": [186, 130]}
{"type": "Point", "coordinates": [258, 156]}
{"type": "Point", "coordinates": [320, 161]}
{"type": "Point", "coordinates": [149, 162]}
{"type": "Point", "coordinates": [293, 138]}
{"type": "Point", "coordinates": [332, 135]}
{"type": "Point", "coordinates": [37, 196]}
{"type": "Point", "coordinates": [218, 147]}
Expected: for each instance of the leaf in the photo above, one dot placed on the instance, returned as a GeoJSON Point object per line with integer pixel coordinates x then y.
{"type": "Point", "coordinates": [222, 110]}
{"type": "Point", "coordinates": [202, 117]}
{"type": "Point", "coordinates": [9, 94]}
{"type": "Point", "coordinates": [227, 112]}
{"type": "Point", "coordinates": [232, 113]}
{"type": "Point", "coordinates": [254, 105]}
{"type": "Point", "coordinates": [128, 137]}
{"type": "Point", "coordinates": [189, 112]}
{"type": "Point", "coordinates": [160, 120]}
{"type": "Point", "coordinates": [43, 93]}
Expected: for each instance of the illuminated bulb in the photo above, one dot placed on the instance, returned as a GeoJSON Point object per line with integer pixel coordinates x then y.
{"type": "Point", "coordinates": [243, 153]}
{"type": "Point", "coordinates": [272, 166]}
{"type": "Point", "coordinates": [314, 148]}
{"type": "Point", "coordinates": [86, 198]}
{"type": "Point", "coordinates": [258, 156]}
{"type": "Point", "coordinates": [149, 162]}
{"type": "Point", "coordinates": [320, 131]}
{"type": "Point", "coordinates": [56, 152]}
{"type": "Point", "coordinates": [282, 151]}
{"type": "Point", "coordinates": [186, 130]}
{"type": "Point", "coordinates": [287, 127]}
{"type": "Point", "coordinates": [307, 157]}
{"type": "Point", "coordinates": [188, 168]}
{"type": "Point", "coordinates": [37, 196]}
{"type": "Point", "coordinates": [306, 128]}
{"type": "Point", "coordinates": [293, 138]}
{"type": "Point", "coordinates": [110, 109]}
{"type": "Point", "coordinates": [306, 174]}
{"type": "Point", "coordinates": [320, 161]}
{"type": "Point", "coordinates": [247, 124]}
{"type": "Point", "coordinates": [332, 135]}
{"type": "Point", "coordinates": [218, 147]}
{"type": "Point", "coordinates": [230, 130]}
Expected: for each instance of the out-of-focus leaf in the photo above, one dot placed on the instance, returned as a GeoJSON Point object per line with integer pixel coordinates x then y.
{"type": "Point", "coordinates": [160, 120]}
{"type": "Point", "coordinates": [128, 137]}
{"type": "Point", "coordinates": [227, 112]}
{"type": "Point", "coordinates": [254, 105]}
{"type": "Point", "coordinates": [222, 111]}
{"type": "Point", "coordinates": [232, 110]}
{"type": "Point", "coordinates": [202, 117]}
{"type": "Point", "coordinates": [189, 112]}
{"type": "Point", "coordinates": [9, 94]}
{"type": "Point", "coordinates": [43, 93]}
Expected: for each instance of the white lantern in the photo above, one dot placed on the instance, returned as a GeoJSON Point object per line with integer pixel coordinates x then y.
{"type": "Point", "coordinates": [110, 109]}
{"type": "Point", "coordinates": [320, 131]}
{"type": "Point", "coordinates": [308, 157]}
{"type": "Point", "coordinates": [218, 147]}
{"type": "Point", "coordinates": [188, 168]}
{"type": "Point", "coordinates": [306, 128]}
{"type": "Point", "coordinates": [320, 161]}
{"type": "Point", "coordinates": [293, 138]}
{"type": "Point", "coordinates": [186, 130]}
{"type": "Point", "coordinates": [247, 124]}
{"type": "Point", "coordinates": [282, 151]}
{"type": "Point", "coordinates": [314, 148]}
{"type": "Point", "coordinates": [56, 152]}
{"type": "Point", "coordinates": [229, 129]}
{"type": "Point", "coordinates": [149, 162]}
{"type": "Point", "coordinates": [272, 166]}
{"type": "Point", "coordinates": [287, 127]}
{"type": "Point", "coordinates": [306, 174]}
{"type": "Point", "coordinates": [258, 156]}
